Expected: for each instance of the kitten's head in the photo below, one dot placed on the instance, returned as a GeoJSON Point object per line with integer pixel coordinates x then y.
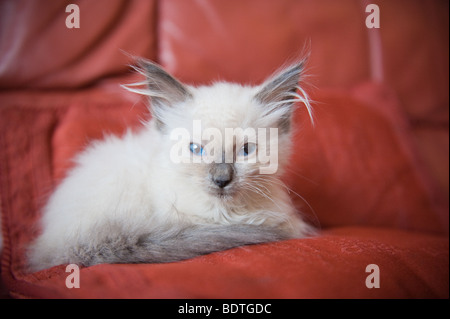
{"type": "Point", "coordinates": [226, 139]}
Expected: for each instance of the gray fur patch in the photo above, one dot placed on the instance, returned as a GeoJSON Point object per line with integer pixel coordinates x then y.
{"type": "Point", "coordinates": [277, 92]}
{"type": "Point", "coordinates": [163, 89]}
{"type": "Point", "coordinates": [169, 245]}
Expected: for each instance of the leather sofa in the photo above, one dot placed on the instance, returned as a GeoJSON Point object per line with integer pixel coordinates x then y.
{"type": "Point", "coordinates": [372, 174]}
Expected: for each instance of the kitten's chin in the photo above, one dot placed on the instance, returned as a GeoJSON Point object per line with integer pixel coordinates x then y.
{"type": "Point", "coordinates": [222, 194]}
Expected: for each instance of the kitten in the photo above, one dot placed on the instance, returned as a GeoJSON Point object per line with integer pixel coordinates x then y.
{"type": "Point", "coordinates": [159, 196]}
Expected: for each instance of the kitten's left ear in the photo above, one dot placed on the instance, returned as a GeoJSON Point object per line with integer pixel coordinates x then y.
{"type": "Point", "coordinates": [279, 93]}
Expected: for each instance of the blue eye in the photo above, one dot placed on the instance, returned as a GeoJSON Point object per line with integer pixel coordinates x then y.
{"type": "Point", "coordinates": [197, 149]}
{"type": "Point", "coordinates": [247, 149]}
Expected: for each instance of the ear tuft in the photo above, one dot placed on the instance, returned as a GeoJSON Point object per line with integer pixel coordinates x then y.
{"type": "Point", "coordinates": [161, 86]}
{"type": "Point", "coordinates": [163, 89]}
{"type": "Point", "coordinates": [281, 91]}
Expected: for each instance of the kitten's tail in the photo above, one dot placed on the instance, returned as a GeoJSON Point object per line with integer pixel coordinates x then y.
{"type": "Point", "coordinates": [171, 245]}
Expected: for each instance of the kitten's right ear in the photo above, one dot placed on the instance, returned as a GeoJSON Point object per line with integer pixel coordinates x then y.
{"type": "Point", "coordinates": [163, 89]}
{"type": "Point", "coordinates": [280, 92]}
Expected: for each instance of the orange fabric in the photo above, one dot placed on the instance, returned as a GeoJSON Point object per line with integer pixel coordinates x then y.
{"type": "Point", "coordinates": [355, 167]}
{"type": "Point", "coordinates": [38, 51]}
{"type": "Point", "coordinates": [373, 173]}
{"type": "Point", "coordinates": [245, 43]}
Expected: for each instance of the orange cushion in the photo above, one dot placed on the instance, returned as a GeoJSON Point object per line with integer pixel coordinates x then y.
{"type": "Point", "coordinates": [39, 51]}
{"type": "Point", "coordinates": [357, 166]}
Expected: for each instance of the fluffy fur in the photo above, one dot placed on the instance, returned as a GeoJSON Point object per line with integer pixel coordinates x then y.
{"type": "Point", "coordinates": [126, 201]}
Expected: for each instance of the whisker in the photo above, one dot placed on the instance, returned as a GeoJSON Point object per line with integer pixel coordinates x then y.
{"type": "Point", "coordinates": [272, 179]}
{"type": "Point", "coordinates": [292, 171]}
{"type": "Point", "coordinates": [262, 193]}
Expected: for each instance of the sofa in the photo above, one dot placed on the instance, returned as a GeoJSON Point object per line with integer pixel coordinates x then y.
{"type": "Point", "coordinates": [371, 174]}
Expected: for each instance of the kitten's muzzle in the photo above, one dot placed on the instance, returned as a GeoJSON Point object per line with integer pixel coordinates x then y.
{"type": "Point", "coordinates": [221, 174]}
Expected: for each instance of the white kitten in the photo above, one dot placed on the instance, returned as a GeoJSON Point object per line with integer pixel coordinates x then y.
{"type": "Point", "coordinates": [157, 196]}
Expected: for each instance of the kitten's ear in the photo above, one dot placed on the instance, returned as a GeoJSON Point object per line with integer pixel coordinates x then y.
{"type": "Point", "coordinates": [161, 86]}
{"type": "Point", "coordinates": [280, 92]}
{"type": "Point", "coordinates": [163, 89]}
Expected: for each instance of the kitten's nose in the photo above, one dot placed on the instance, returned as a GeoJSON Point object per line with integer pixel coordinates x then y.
{"type": "Point", "coordinates": [222, 182]}
{"type": "Point", "coordinates": [222, 174]}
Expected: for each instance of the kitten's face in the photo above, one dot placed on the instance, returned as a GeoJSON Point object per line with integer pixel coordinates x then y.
{"type": "Point", "coordinates": [227, 147]}
{"type": "Point", "coordinates": [225, 140]}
